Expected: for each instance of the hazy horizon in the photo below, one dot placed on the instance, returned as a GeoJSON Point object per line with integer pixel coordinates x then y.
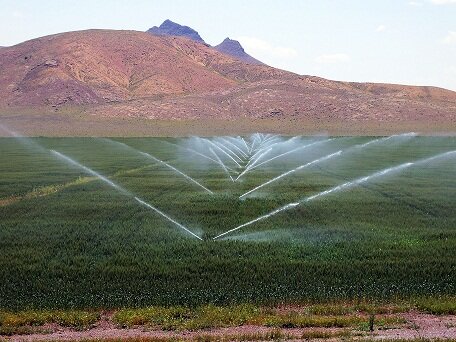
{"type": "Point", "coordinates": [403, 42]}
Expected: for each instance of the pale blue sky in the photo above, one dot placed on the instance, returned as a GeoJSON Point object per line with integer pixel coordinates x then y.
{"type": "Point", "coordinates": [395, 41]}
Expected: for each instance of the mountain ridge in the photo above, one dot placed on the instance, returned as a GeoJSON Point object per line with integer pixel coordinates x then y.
{"type": "Point", "coordinates": [170, 28]}
{"type": "Point", "coordinates": [228, 46]}
{"type": "Point", "coordinates": [133, 74]}
{"type": "Point", "coordinates": [234, 48]}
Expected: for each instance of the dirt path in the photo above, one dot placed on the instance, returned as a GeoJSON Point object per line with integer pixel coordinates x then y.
{"type": "Point", "coordinates": [418, 325]}
{"type": "Point", "coordinates": [422, 326]}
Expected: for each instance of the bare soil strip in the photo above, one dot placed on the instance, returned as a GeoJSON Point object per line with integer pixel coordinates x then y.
{"type": "Point", "coordinates": [418, 326]}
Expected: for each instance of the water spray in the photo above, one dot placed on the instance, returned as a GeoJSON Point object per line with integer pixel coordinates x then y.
{"type": "Point", "coordinates": [245, 144]}
{"type": "Point", "coordinates": [379, 140]}
{"type": "Point", "coordinates": [240, 142]}
{"type": "Point", "coordinates": [90, 171]}
{"type": "Point", "coordinates": [176, 170]}
{"type": "Point", "coordinates": [236, 147]}
{"type": "Point", "coordinates": [221, 163]}
{"type": "Point", "coordinates": [222, 150]}
{"type": "Point", "coordinates": [316, 161]}
{"type": "Point", "coordinates": [251, 163]}
{"type": "Point", "coordinates": [289, 152]}
{"type": "Point", "coordinates": [341, 187]}
{"type": "Point", "coordinates": [272, 213]}
{"type": "Point", "coordinates": [197, 153]}
{"type": "Point", "coordinates": [167, 217]}
{"type": "Point", "coordinates": [147, 155]}
{"type": "Point", "coordinates": [228, 150]}
{"type": "Point", "coordinates": [122, 190]}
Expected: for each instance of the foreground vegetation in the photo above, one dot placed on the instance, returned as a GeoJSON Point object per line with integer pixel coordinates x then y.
{"type": "Point", "coordinates": [274, 336]}
{"type": "Point", "coordinates": [346, 317]}
{"type": "Point", "coordinates": [25, 321]}
{"type": "Point", "coordinates": [69, 241]}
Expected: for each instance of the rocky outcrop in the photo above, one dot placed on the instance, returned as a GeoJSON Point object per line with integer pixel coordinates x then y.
{"type": "Point", "coordinates": [228, 47]}
{"type": "Point", "coordinates": [234, 48]}
{"type": "Point", "coordinates": [170, 28]}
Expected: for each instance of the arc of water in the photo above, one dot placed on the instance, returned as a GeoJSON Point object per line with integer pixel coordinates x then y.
{"type": "Point", "coordinates": [252, 163]}
{"type": "Point", "coordinates": [223, 165]}
{"type": "Point", "coordinates": [209, 158]}
{"type": "Point", "coordinates": [253, 141]}
{"type": "Point", "coordinates": [268, 137]}
{"type": "Point", "coordinates": [176, 170]}
{"type": "Point", "coordinates": [122, 190]}
{"type": "Point", "coordinates": [245, 144]}
{"type": "Point", "coordinates": [272, 213]}
{"type": "Point", "coordinates": [316, 161]}
{"type": "Point", "coordinates": [197, 153]}
{"type": "Point", "coordinates": [293, 205]}
{"type": "Point", "coordinates": [268, 141]}
{"type": "Point", "coordinates": [167, 217]}
{"type": "Point", "coordinates": [256, 136]}
{"type": "Point", "coordinates": [236, 147]}
{"type": "Point", "coordinates": [339, 188]}
{"type": "Point", "coordinates": [259, 143]}
{"type": "Point", "coordinates": [257, 153]}
{"type": "Point", "coordinates": [221, 150]}
{"type": "Point", "coordinates": [253, 160]}
{"type": "Point", "coordinates": [442, 155]}
{"type": "Point", "coordinates": [279, 143]}
{"type": "Point", "coordinates": [372, 142]}
{"type": "Point", "coordinates": [230, 151]}
{"type": "Point", "coordinates": [357, 181]}
{"type": "Point", "coordinates": [291, 151]}
{"type": "Point", "coordinates": [248, 168]}
{"type": "Point", "coordinates": [379, 140]}
{"type": "Point", "coordinates": [191, 150]}
{"type": "Point", "coordinates": [90, 171]}
{"type": "Point", "coordinates": [237, 141]}
{"type": "Point", "coordinates": [268, 147]}
{"type": "Point", "coordinates": [147, 155]}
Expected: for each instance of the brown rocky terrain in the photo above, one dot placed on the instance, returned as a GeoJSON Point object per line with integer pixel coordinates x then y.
{"type": "Point", "coordinates": [130, 74]}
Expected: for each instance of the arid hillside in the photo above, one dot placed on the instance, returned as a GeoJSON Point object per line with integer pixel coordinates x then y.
{"type": "Point", "coordinates": [97, 66]}
{"type": "Point", "coordinates": [130, 74]}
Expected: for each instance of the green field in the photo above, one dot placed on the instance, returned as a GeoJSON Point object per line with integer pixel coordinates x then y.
{"type": "Point", "coordinates": [70, 240]}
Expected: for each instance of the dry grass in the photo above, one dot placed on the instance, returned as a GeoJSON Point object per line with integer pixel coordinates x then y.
{"type": "Point", "coordinates": [45, 191]}
{"type": "Point", "coordinates": [75, 121]}
{"type": "Point", "coordinates": [54, 188]}
{"type": "Point", "coordinates": [25, 321]}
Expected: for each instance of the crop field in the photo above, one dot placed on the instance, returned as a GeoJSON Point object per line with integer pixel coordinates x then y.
{"type": "Point", "coordinates": [134, 222]}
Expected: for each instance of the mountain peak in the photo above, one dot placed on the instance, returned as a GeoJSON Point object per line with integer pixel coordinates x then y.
{"type": "Point", "coordinates": [234, 48]}
{"type": "Point", "coordinates": [233, 43]}
{"type": "Point", "coordinates": [170, 28]}
{"type": "Point", "coordinates": [168, 22]}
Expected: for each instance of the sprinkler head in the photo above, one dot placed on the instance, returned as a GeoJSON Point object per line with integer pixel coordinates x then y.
{"type": "Point", "coordinates": [207, 237]}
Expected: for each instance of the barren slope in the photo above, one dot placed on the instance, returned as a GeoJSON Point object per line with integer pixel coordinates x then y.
{"type": "Point", "coordinates": [297, 98]}
{"type": "Point", "coordinates": [99, 66]}
{"type": "Point", "coordinates": [134, 74]}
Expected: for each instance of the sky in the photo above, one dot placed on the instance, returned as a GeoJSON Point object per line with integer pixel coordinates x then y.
{"type": "Point", "coordinates": [393, 41]}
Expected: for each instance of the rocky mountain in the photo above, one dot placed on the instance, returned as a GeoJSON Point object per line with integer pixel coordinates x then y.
{"type": "Point", "coordinates": [170, 28]}
{"type": "Point", "coordinates": [103, 66]}
{"type": "Point", "coordinates": [229, 47]}
{"type": "Point", "coordinates": [130, 74]}
{"type": "Point", "coordinates": [234, 48]}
